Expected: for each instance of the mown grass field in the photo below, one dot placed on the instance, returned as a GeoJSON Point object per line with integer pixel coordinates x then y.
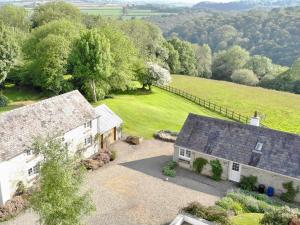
{"type": "Point", "coordinates": [144, 114]}
{"type": "Point", "coordinates": [282, 109]}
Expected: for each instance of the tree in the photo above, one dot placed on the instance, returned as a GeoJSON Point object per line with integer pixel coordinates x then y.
{"type": "Point", "coordinates": [187, 56]}
{"type": "Point", "coordinates": [295, 70]}
{"type": "Point", "coordinates": [260, 65]}
{"type": "Point", "coordinates": [92, 60]}
{"type": "Point", "coordinates": [56, 10]}
{"type": "Point", "coordinates": [204, 60]}
{"type": "Point", "coordinates": [51, 66]}
{"type": "Point", "coordinates": [173, 58]}
{"type": "Point", "coordinates": [15, 16]}
{"type": "Point", "coordinates": [8, 52]}
{"type": "Point", "coordinates": [154, 74]}
{"type": "Point", "coordinates": [47, 51]}
{"type": "Point", "coordinates": [124, 56]}
{"type": "Point", "coordinates": [225, 62]}
{"type": "Point", "coordinates": [244, 76]}
{"type": "Point", "coordinates": [60, 200]}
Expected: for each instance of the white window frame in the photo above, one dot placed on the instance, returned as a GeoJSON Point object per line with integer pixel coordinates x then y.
{"type": "Point", "coordinates": [186, 154]}
{"type": "Point", "coordinates": [258, 147]}
{"type": "Point", "coordinates": [29, 152]}
{"type": "Point", "coordinates": [88, 140]}
{"type": "Point", "coordinates": [30, 172]}
{"type": "Point", "coordinates": [88, 124]}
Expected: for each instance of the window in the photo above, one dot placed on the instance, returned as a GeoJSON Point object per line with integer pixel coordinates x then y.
{"type": "Point", "coordinates": [88, 124]}
{"type": "Point", "coordinates": [30, 172]}
{"type": "Point", "coordinates": [29, 152]}
{"type": "Point", "coordinates": [36, 168]}
{"type": "Point", "coordinates": [184, 154]}
{"type": "Point", "coordinates": [236, 167]}
{"type": "Point", "coordinates": [258, 146]}
{"type": "Point", "coordinates": [88, 140]}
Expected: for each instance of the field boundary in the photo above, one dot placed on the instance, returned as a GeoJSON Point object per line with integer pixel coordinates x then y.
{"type": "Point", "coordinates": [224, 111]}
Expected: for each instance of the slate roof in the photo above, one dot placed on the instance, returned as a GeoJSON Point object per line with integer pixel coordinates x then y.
{"type": "Point", "coordinates": [50, 117]}
{"type": "Point", "coordinates": [236, 142]}
{"type": "Point", "coordinates": [108, 119]}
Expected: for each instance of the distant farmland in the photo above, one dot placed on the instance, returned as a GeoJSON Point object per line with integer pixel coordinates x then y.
{"type": "Point", "coordinates": [118, 11]}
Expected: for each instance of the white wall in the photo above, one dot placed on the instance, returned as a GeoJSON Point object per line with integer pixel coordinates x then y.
{"type": "Point", "coordinates": [16, 169]}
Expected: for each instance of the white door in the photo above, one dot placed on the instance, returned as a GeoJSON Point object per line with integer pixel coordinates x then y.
{"type": "Point", "coordinates": [234, 172]}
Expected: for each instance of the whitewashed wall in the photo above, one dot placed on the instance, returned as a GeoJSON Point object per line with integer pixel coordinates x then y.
{"type": "Point", "coordinates": [16, 169]}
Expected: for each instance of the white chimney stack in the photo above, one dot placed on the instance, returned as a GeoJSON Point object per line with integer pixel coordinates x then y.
{"type": "Point", "coordinates": [255, 120]}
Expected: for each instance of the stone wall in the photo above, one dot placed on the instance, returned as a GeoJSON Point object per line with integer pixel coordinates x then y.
{"type": "Point", "coordinates": [270, 179]}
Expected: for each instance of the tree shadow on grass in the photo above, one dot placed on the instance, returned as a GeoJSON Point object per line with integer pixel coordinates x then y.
{"type": "Point", "coordinates": [188, 179]}
{"type": "Point", "coordinates": [137, 91]}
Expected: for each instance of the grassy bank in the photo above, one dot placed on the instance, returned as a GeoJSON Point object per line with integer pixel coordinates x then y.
{"type": "Point", "coordinates": [145, 114]}
{"type": "Point", "coordinates": [282, 109]}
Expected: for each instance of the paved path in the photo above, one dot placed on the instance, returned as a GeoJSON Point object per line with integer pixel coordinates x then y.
{"type": "Point", "coordinates": [132, 189]}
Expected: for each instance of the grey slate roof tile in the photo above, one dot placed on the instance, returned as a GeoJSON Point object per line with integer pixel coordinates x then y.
{"type": "Point", "coordinates": [236, 142]}
{"type": "Point", "coordinates": [50, 117]}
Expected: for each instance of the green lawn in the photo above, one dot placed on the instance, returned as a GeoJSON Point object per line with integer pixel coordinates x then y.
{"type": "Point", "coordinates": [144, 114]}
{"type": "Point", "coordinates": [282, 109]}
{"type": "Point", "coordinates": [247, 219]}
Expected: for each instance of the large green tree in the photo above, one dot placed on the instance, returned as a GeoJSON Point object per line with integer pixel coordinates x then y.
{"type": "Point", "coordinates": [47, 52]}
{"type": "Point", "coordinates": [124, 56]}
{"type": "Point", "coordinates": [92, 60]}
{"type": "Point", "coordinates": [204, 60]}
{"type": "Point", "coordinates": [14, 16]}
{"type": "Point", "coordinates": [225, 62]}
{"type": "Point", "coordinates": [55, 10]}
{"type": "Point", "coordinates": [60, 199]}
{"type": "Point", "coordinates": [8, 51]}
{"type": "Point", "coordinates": [173, 58]}
{"type": "Point", "coordinates": [187, 56]}
{"type": "Point", "coordinates": [260, 65]}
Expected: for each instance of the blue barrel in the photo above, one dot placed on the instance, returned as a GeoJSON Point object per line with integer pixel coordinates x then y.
{"type": "Point", "coordinates": [270, 191]}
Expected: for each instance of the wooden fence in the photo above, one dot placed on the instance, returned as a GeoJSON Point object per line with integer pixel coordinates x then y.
{"type": "Point", "coordinates": [224, 111]}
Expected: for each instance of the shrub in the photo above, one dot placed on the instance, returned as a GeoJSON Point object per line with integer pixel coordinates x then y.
{"type": "Point", "coordinates": [229, 204]}
{"type": "Point", "coordinates": [169, 169]}
{"type": "Point", "coordinates": [279, 216]}
{"type": "Point", "coordinates": [3, 100]}
{"type": "Point", "coordinates": [244, 76]}
{"type": "Point", "coordinates": [248, 183]}
{"type": "Point", "coordinates": [291, 192]}
{"type": "Point", "coordinates": [20, 188]}
{"type": "Point", "coordinates": [113, 155]}
{"type": "Point", "coordinates": [249, 203]}
{"type": "Point", "coordinates": [216, 169]}
{"type": "Point", "coordinates": [214, 213]}
{"type": "Point", "coordinates": [198, 164]}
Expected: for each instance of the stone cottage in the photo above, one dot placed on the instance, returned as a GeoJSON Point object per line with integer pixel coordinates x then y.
{"type": "Point", "coordinates": [68, 117]}
{"type": "Point", "coordinates": [273, 156]}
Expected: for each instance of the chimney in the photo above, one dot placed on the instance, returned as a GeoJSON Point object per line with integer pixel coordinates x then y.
{"type": "Point", "coordinates": [255, 120]}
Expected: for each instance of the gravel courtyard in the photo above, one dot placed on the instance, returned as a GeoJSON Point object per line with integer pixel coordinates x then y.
{"type": "Point", "coordinates": [132, 189]}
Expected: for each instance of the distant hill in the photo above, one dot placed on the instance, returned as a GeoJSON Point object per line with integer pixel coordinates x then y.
{"type": "Point", "coordinates": [246, 5]}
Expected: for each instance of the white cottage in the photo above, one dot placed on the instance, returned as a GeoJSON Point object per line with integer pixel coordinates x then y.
{"type": "Point", "coordinates": [69, 117]}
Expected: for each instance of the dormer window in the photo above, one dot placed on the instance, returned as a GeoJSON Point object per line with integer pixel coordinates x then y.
{"type": "Point", "coordinates": [259, 146]}
{"type": "Point", "coordinates": [29, 152]}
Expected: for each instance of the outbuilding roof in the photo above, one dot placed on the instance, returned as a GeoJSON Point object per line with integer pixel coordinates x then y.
{"type": "Point", "coordinates": [279, 152]}
{"type": "Point", "coordinates": [50, 117]}
{"type": "Point", "coordinates": [108, 119]}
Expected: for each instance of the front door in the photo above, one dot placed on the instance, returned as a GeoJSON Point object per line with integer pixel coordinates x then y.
{"type": "Point", "coordinates": [234, 172]}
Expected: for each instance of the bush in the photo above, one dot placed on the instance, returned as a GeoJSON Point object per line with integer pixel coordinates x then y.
{"type": "Point", "coordinates": [248, 183]}
{"type": "Point", "coordinates": [291, 192]}
{"type": "Point", "coordinates": [216, 169]}
{"type": "Point", "coordinates": [214, 213]}
{"type": "Point", "coordinates": [229, 204]}
{"type": "Point", "coordinates": [198, 164]}
{"type": "Point", "coordinates": [244, 76]}
{"type": "Point", "coordinates": [3, 100]}
{"type": "Point", "coordinates": [249, 203]}
{"type": "Point", "coordinates": [113, 155]}
{"type": "Point", "coordinates": [169, 169]}
{"type": "Point", "coordinates": [20, 188]}
{"type": "Point", "coordinates": [279, 216]}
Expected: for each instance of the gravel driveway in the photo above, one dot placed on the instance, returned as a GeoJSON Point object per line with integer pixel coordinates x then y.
{"type": "Point", "coordinates": [132, 189]}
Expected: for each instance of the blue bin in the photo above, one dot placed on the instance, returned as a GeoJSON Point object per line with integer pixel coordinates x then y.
{"type": "Point", "coordinates": [270, 191]}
